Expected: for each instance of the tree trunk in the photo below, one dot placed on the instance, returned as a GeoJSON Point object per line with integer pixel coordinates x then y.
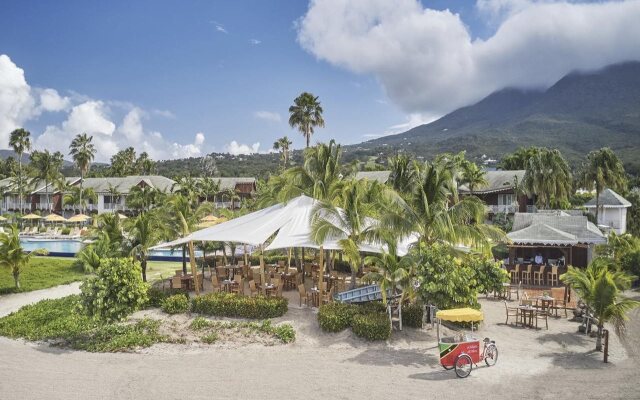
{"type": "Point", "coordinates": [308, 135]}
{"type": "Point", "coordinates": [46, 191]}
{"type": "Point", "coordinates": [184, 259]}
{"type": "Point", "coordinates": [20, 181]}
{"type": "Point", "coordinates": [599, 337]}
{"type": "Point", "coordinates": [143, 264]}
{"type": "Point", "coordinates": [81, 179]}
{"type": "Point", "coordinates": [353, 277]}
{"type": "Point", "coordinates": [16, 279]}
{"type": "Point", "coordinates": [204, 259]}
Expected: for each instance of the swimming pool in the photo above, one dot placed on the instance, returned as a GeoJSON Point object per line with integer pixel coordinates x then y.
{"type": "Point", "coordinates": [69, 247]}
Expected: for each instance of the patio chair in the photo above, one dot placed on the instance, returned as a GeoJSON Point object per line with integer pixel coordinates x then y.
{"type": "Point", "coordinates": [279, 287]}
{"type": "Point", "coordinates": [253, 288]}
{"type": "Point", "coordinates": [281, 263]}
{"type": "Point", "coordinates": [215, 285]}
{"type": "Point", "coordinates": [511, 312]}
{"type": "Point", "coordinates": [538, 315]}
{"type": "Point", "coordinates": [526, 275]}
{"type": "Point", "coordinates": [552, 276]}
{"type": "Point", "coordinates": [221, 271]}
{"type": "Point", "coordinates": [238, 288]}
{"type": "Point", "coordinates": [178, 272]}
{"type": "Point", "coordinates": [559, 300]}
{"type": "Point", "coordinates": [515, 274]}
{"type": "Point", "coordinates": [240, 263]}
{"type": "Point", "coordinates": [304, 296]}
{"type": "Point", "coordinates": [176, 283]}
{"type": "Point", "coordinates": [515, 290]}
{"type": "Point", "coordinates": [538, 276]}
{"type": "Point", "coordinates": [308, 268]}
{"type": "Point", "coordinates": [327, 297]}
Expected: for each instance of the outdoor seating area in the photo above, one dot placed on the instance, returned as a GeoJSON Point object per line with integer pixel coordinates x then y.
{"type": "Point", "coordinates": [540, 275]}
{"type": "Point", "coordinates": [535, 307]}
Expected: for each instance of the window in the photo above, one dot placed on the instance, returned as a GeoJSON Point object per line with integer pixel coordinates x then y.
{"type": "Point", "coordinates": [506, 199]}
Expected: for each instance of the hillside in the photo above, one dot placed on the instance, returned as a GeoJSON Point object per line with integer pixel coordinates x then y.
{"type": "Point", "coordinates": [581, 112]}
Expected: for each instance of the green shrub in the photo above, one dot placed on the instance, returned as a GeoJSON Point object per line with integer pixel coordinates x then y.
{"type": "Point", "coordinates": [178, 303]}
{"type": "Point", "coordinates": [489, 274]}
{"type": "Point", "coordinates": [372, 326]}
{"type": "Point", "coordinates": [200, 323]}
{"type": "Point", "coordinates": [65, 231]}
{"type": "Point", "coordinates": [372, 307]}
{"type": "Point", "coordinates": [210, 338]}
{"type": "Point", "coordinates": [336, 317]}
{"type": "Point", "coordinates": [285, 333]}
{"type": "Point", "coordinates": [232, 305]}
{"type": "Point", "coordinates": [412, 315]}
{"type": "Point", "coordinates": [116, 291]}
{"type": "Point", "coordinates": [119, 337]}
{"type": "Point", "coordinates": [630, 263]}
{"type": "Point", "coordinates": [47, 319]}
{"type": "Point", "coordinates": [156, 296]}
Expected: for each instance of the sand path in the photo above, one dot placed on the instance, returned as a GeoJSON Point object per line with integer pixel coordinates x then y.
{"type": "Point", "coordinates": [13, 302]}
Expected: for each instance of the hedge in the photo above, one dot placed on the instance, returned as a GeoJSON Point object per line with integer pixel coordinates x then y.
{"type": "Point", "coordinates": [371, 326]}
{"type": "Point", "coordinates": [336, 317]}
{"type": "Point", "coordinates": [232, 305]}
{"type": "Point", "coordinates": [178, 303]}
{"type": "Point", "coordinates": [412, 315]}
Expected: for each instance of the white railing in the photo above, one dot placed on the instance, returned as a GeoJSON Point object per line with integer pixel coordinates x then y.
{"type": "Point", "coordinates": [503, 208]}
{"type": "Point", "coordinates": [113, 207]}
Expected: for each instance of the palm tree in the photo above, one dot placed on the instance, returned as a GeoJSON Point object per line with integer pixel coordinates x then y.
{"type": "Point", "coordinates": [144, 232]}
{"type": "Point", "coordinates": [433, 211]}
{"type": "Point", "coordinates": [145, 165]}
{"type": "Point", "coordinates": [114, 193]}
{"type": "Point", "coordinates": [352, 224]}
{"type": "Point", "coordinates": [403, 173]}
{"type": "Point", "coordinates": [83, 152]}
{"type": "Point", "coordinates": [283, 145]}
{"type": "Point", "coordinates": [45, 166]}
{"type": "Point", "coordinates": [306, 114]}
{"type": "Point", "coordinates": [548, 176]}
{"type": "Point", "coordinates": [600, 287]}
{"type": "Point", "coordinates": [143, 197]}
{"type": "Point", "coordinates": [209, 188]}
{"type": "Point", "coordinates": [20, 141]}
{"type": "Point", "coordinates": [12, 254]}
{"type": "Point", "coordinates": [80, 197]}
{"type": "Point", "coordinates": [391, 272]}
{"type": "Point", "coordinates": [473, 176]}
{"type": "Point", "coordinates": [604, 169]}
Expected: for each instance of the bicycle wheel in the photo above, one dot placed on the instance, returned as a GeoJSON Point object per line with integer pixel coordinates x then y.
{"type": "Point", "coordinates": [491, 355]}
{"type": "Point", "coordinates": [463, 365]}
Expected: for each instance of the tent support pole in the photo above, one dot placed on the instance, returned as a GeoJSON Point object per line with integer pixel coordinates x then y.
{"type": "Point", "coordinates": [194, 268]}
{"type": "Point", "coordinates": [246, 256]}
{"type": "Point", "coordinates": [263, 283]}
{"type": "Point", "coordinates": [321, 274]}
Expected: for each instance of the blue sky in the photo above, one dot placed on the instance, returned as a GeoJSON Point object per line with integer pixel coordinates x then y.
{"type": "Point", "coordinates": [226, 69]}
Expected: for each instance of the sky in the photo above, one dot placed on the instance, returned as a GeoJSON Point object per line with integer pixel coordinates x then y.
{"type": "Point", "coordinates": [180, 79]}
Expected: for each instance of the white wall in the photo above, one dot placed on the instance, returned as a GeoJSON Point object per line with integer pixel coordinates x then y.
{"type": "Point", "coordinates": [616, 218]}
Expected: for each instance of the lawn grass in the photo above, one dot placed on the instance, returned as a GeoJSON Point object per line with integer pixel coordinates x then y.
{"type": "Point", "coordinates": [157, 270]}
{"type": "Point", "coordinates": [41, 273]}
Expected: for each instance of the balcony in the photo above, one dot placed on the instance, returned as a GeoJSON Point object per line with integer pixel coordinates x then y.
{"type": "Point", "coordinates": [114, 207]}
{"type": "Point", "coordinates": [502, 208]}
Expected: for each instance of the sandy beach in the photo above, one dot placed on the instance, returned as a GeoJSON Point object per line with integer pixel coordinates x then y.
{"type": "Point", "coordinates": [558, 363]}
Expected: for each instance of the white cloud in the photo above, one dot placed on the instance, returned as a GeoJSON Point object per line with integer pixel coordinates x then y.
{"type": "Point", "coordinates": [411, 122]}
{"type": "Point", "coordinates": [235, 148]}
{"type": "Point", "coordinates": [268, 116]}
{"type": "Point", "coordinates": [255, 42]}
{"type": "Point", "coordinates": [199, 139]}
{"type": "Point", "coordinates": [50, 100]}
{"type": "Point", "coordinates": [427, 61]}
{"type": "Point", "coordinates": [221, 29]}
{"type": "Point", "coordinates": [16, 103]}
{"type": "Point", "coordinates": [131, 126]}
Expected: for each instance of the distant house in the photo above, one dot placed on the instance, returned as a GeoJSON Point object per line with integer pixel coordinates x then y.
{"type": "Point", "coordinates": [380, 176]}
{"type": "Point", "coordinates": [500, 193]}
{"type": "Point", "coordinates": [613, 211]}
{"type": "Point", "coordinates": [555, 235]}
{"type": "Point", "coordinates": [112, 192]}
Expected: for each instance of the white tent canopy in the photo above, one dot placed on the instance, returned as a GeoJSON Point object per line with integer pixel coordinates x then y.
{"type": "Point", "coordinates": [291, 221]}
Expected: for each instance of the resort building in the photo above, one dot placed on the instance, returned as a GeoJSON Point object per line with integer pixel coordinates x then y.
{"type": "Point", "coordinates": [112, 192]}
{"type": "Point", "coordinates": [501, 194]}
{"type": "Point", "coordinates": [380, 176]}
{"type": "Point", "coordinates": [612, 213]}
{"type": "Point", "coordinates": [556, 237]}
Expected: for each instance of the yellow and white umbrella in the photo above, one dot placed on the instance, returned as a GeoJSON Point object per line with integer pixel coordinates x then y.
{"type": "Point", "coordinates": [122, 216]}
{"type": "Point", "coordinates": [79, 218]}
{"type": "Point", "coordinates": [2, 219]}
{"type": "Point", "coordinates": [210, 218]}
{"type": "Point", "coordinates": [55, 218]}
{"type": "Point", "coordinates": [31, 216]}
{"type": "Point", "coordinates": [208, 224]}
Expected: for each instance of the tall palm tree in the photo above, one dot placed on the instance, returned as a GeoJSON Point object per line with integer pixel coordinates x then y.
{"type": "Point", "coordinates": [20, 141]}
{"type": "Point", "coordinates": [600, 287]}
{"type": "Point", "coordinates": [114, 193]}
{"type": "Point", "coordinates": [548, 176]}
{"type": "Point", "coordinates": [352, 224]}
{"type": "Point", "coordinates": [143, 197]}
{"type": "Point", "coordinates": [83, 152]}
{"type": "Point", "coordinates": [403, 173]}
{"type": "Point", "coordinates": [80, 197]}
{"type": "Point", "coordinates": [144, 231]}
{"type": "Point", "coordinates": [306, 114]}
{"type": "Point", "coordinates": [283, 145]}
{"type": "Point", "coordinates": [12, 254]}
{"type": "Point", "coordinates": [45, 166]}
{"type": "Point", "coordinates": [604, 169]}
{"type": "Point", "coordinates": [209, 188]}
{"type": "Point", "coordinates": [473, 176]}
{"type": "Point", "coordinates": [434, 212]}
{"type": "Point", "coordinates": [391, 272]}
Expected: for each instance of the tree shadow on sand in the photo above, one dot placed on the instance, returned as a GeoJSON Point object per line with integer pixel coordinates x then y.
{"type": "Point", "coordinates": [390, 357]}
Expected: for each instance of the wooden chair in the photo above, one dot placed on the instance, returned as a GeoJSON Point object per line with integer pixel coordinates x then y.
{"type": "Point", "coordinates": [308, 268]}
{"type": "Point", "coordinates": [515, 290]}
{"type": "Point", "coordinates": [559, 299]}
{"type": "Point", "coordinates": [538, 276]}
{"type": "Point", "coordinates": [178, 272]}
{"type": "Point", "coordinates": [221, 272]}
{"type": "Point", "coordinates": [541, 314]}
{"type": "Point", "coordinates": [215, 285]}
{"type": "Point", "coordinates": [253, 288]}
{"type": "Point", "coordinates": [238, 287]}
{"type": "Point", "coordinates": [515, 274]}
{"type": "Point", "coordinates": [327, 297]}
{"type": "Point", "coordinates": [281, 263]}
{"type": "Point", "coordinates": [240, 263]}
{"type": "Point", "coordinates": [526, 275]}
{"type": "Point", "coordinates": [511, 312]}
{"type": "Point", "coordinates": [176, 282]}
{"type": "Point", "coordinates": [304, 296]}
{"type": "Point", "coordinates": [279, 287]}
{"type": "Point", "coordinates": [552, 276]}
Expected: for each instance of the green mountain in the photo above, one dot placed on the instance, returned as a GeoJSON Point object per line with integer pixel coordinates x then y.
{"type": "Point", "coordinates": [579, 113]}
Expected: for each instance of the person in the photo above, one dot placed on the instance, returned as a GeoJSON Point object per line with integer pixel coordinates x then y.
{"type": "Point", "coordinates": [538, 260]}
{"type": "Point", "coordinates": [561, 261]}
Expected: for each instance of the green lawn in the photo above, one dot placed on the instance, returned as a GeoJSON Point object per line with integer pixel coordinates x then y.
{"type": "Point", "coordinates": [164, 269]}
{"type": "Point", "coordinates": [43, 272]}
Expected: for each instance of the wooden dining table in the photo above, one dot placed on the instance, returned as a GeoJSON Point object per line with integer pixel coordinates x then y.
{"type": "Point", "coordinates": [526, 315]}
{"type": "Point", "coordinates": [187, 281]}
{"type": "Point", "coordinates": [546, 303]}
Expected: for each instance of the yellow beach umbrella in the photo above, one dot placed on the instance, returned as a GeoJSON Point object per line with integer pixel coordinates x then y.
{"type": "Point", "coordinates": [122, 216]}
{"type": "Point", "coordinates": [208, 224]}
{"type": "Point", "coordinates": [55, 218]}
{"type": "Point", "coordinates": [209, 218]}
{"type": "Point", "coordinates": [78, 218]}
{"type": "Point", "coordinates": [31, 216]}
{"type": "Point", "coordinates": [2, 218]}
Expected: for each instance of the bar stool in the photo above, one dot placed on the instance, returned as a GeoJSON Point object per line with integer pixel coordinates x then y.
{"type": "Point", "coordinates": [552, 276]}
{"type": "Point", "coordinates": [515, 274]}
{"type": "Point", "coordinates": [526, 275]}
{"type": "Point", "coordinates": [538, 276]}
